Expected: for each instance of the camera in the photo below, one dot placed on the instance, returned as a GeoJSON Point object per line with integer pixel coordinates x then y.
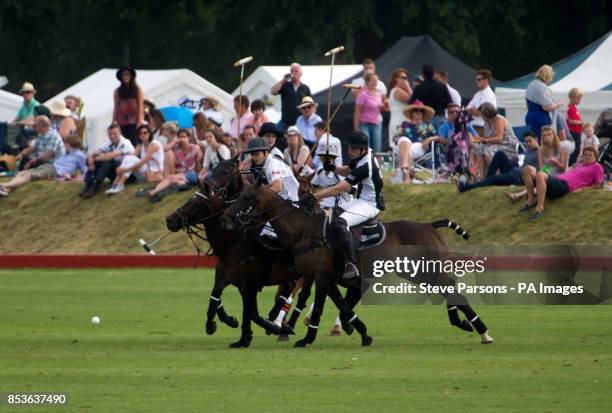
{"type": "Point", "coordinates": [288, 77]}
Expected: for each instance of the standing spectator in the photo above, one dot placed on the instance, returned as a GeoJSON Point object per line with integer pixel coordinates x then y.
{"type": "Point", "coordinates": [484, 94]}
{"type": "Point", "coordinates": [211, 108]}
{"type": "Point", "coordinates": [129, 104]}
{"type": "Point", "coordinates": [74, 104]}
{"type": "Point", "coordinates": [25, 114]}
{"type": "Point", "coordinates": [45, 148]}
{"type": "Point", "coordinates": [258, 108]}
{"type": "Point", "coordinates": [590, 140]}
{"type": "Point", "coordinates": [307, 120]}
{"type": "Point", "coordinates": [61, 168]}
{"type": "Point", "coordinates": [574, 121]}
{"type": "Point", "coordinates": [292, 91]}
{"type": "Point", "coordinates": [297, 152]}
{"type": "Point", "coordinates": [367, 116]}
{"type": "Point", "coordinates": [61, 119]}
{"type": "Point", "coordinates": [540, 100]}
{"type": "Point", "coordinates": [442, 77]}
{"type": "Point", "coordinates": [417, 80]}
{"type": "Point", "coordinates": [369, 67]}
{"type": "Point", "coordinates": [399, 95]}
{"type": "Point", "coordinates": [103, 162]}
{"type": "Point", "coordinates": [241, 106]}
{"type": "Point", "coordinates": [433, 94]}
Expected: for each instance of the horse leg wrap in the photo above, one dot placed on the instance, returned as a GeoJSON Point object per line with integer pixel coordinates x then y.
{"type": "Point", "coordinates": [453, 317]}
{"type": "Point", "coordinates": [278, 305]}
{"type": "Point", "coordinates": [362, 330]}
{"type": "Point", "coordinates": [474, 319]}
{"type": "Point", "coordinates": [213, 303]}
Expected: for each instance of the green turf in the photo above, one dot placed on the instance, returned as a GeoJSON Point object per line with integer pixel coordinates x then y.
{"type": "Point", "coordinates": [150, 354]}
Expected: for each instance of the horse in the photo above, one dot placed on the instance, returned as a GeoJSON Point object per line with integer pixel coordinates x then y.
{"type": "Point", "coordinates": [303, 233]}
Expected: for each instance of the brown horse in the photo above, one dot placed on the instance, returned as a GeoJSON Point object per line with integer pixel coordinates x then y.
{"type": "Point", "coordinates": [303, 234]}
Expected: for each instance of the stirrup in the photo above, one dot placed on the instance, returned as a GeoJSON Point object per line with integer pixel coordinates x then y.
{"type": "Point", "coordinates": [350, 271]}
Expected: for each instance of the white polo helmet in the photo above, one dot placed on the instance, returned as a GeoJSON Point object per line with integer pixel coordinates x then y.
{"type": "Point", "coordinates": [332, 149]}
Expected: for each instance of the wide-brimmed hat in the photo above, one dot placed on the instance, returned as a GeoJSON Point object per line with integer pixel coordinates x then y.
{"type": "Point", "coordinates": [58, 107]}
{"type": "Point", "coordinates": [307, 101]}
{"type": "Point", "coordinates": [270, 127]}
{"type": "Point", "coordinates": [27, 87]}
{"type": "Point", "coordinates": [418, 105]}
{"type": "Point", "coordinates": [212, 101]}
{"type": "Point", "coordinates": [123, 69]}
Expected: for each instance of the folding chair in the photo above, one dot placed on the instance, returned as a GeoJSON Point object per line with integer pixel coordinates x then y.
{"type": "Point", "coordinates": [422, 164]}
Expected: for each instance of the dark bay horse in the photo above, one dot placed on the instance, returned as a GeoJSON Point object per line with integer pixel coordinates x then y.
{"type": "Point", "coordinates": [303, 233]}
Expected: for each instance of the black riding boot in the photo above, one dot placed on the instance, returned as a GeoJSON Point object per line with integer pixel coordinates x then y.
{"type": "Point", "coordinates": [345, 243]}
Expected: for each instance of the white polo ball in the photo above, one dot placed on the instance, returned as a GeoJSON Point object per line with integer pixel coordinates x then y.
{"type": "Point", "coordinates": [95, 319]}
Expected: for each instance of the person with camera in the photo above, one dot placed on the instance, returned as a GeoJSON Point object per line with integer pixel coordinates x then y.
{"type": "Point", "coordinates": [292, 91]}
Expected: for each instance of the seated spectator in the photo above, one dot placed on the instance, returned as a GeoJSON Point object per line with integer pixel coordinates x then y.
{"type": "Point", "coordinates": [211, 108]}
{"type": "Point", "coordinates": [74, 104]}
{"type": "Point", "coordinates": [554, 155]}
{"type": "Point", "coordinates": [297, 153]}
{"type": "Point", "coordinates": [145, 164]}
{"type": "Point", "coordinates": [216, 151]}
{"type": "Point", "coordinates": [188, 164]}
{"type": "Point", "coordinates": [228, 141]}
{"type": "Point", "coordinates": [320, 128]}
{"type": "Point", "coordinates": [508, 173]}
{"type": "Point", "coordinates": [307, 120]}
{"type": "Point", "coordinates": [104, 161]}
{"type": "Point", "coordinates": [44, 148]}
{"type": "Point", "coordinates": [574, 121]}
{"type": "Point", "coordinates": [248, 134]}
{"type": "Point", "coordinates": [200, 126]}
{"type": "Point", "coordinates": [61, 119]}
{"type": "Point", "coordinates": [258, 108]}
{"type": "Point", "coordinates": [588, 174]}
{"type": "Point", "coordinates": [418, 133]}
{"type": "Point", "coordinates": [498, 136]}
{"type": "Point", "coordinates": [456, 143]}
{"type": "Point", "coordinates": [241, 106]}
{"type": "Point", "coordinates": [155, 119]}
{"type": "Point", "coordinates": [25, 114]}
{"type": "Point", "coordinates": [326, 176]}
{"type": "Point", "coordinates": [590, 139]}
{"type": "Point", "coordinates": [169, 134]}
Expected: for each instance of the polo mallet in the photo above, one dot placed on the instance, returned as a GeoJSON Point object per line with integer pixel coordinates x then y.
{"type": "Point", "coordinates": [149, 247]}
{"type": "Point", "coordinates": [241, 63]}
{"type": "Point", "coordinates": [348, 87]}
{"type": "Point", "coordinates": [333, 53]}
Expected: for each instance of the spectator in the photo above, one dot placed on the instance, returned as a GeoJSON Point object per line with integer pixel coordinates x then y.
{"type": "Point", "coordinates": [589, 174]}
{"type": "Point", "coordinates": [155, 119]}
{"type": "Point", "coordinates": [46, 147]}
{"type": "Point", "coordinates": [418, 133]}
{"type": "Point", "coordinates": [574, 122]}
{"type": "Point", "coordinates": [200, 126]}
{"type": "Point", "coordinates": [417, 80]}
{"type": "Point", "coordinates": [25, 114]}
{"type": "Point", "coordinates": [187, 166]}
{"type": "Point", "coordinates": [320, 134]}
{"type": "Point", "coordinates": [540, 100]}
{"type": "Point", "coordinates": [61, 168]}
{"type": "Point", "coordinates": [258, 108]}
{"type": "Point", "coordinates": [248, 134]}
{"type": "Point", "coordinates": [211, 108]}
{"type": "Point", "coordinates": [104, 161]}
{"type": "Point", "coordinates": [228, 141]}
{"type": "Point", "coordinates": [272, 135]}
{"type": "Point", "coordinates": [292, 91]}
{"type": "Point", "coordinates": [442, 77]}
{"type": "Point", "coordinates": [367, 116]}
{"type": "Point", "coordinates": [145, 164]}
{"type": "Point", "coordinates": [216, 151]}
{"type": "Point", "coordinates": [508, 173]}
{"type": "Point", "coordinates": [297, 153]}
{"type": "Point", "coordinates": [307, 120]}
{"type": "Point", "coordinates": [241, 106]}
{"type": "Point", "coordinates": [369, 67]}
{"type": "Point", "coordinates": [484, 94]}
{"type": "Point", "coordinates": [498, 136]}
{"type": "Point", "coordinates": [61, 119]}
{"type": "Point", "coordinates": [456, 145]}
{"type": "Point", "coordinates": [399, 94]}
{"type": "Point", "coordinates": [74, 104]}
{"type": "Point", "coordinates": [590, 140]}
{"type": "Point", "coordinates": [433, 94]}
{"type": "Point", "coordinates": [566, 142]}
{"type": "Point", "coordinates": [550, 158]}
{"type": "Point", "coordinates": [129, 104]}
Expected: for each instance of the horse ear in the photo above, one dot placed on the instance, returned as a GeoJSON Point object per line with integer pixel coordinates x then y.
{"type": "Point", "coordinates": [236, 159]}
{"type": "Point", "coordinates": [311, 176]}
{"type": "Point", "coordinates": [258, 180]}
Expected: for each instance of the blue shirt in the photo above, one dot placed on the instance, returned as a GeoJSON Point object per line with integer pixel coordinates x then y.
{"type": "Point", "coordinates": [307, 127]}
{"type": "Point", "coordinates": [69, 163]}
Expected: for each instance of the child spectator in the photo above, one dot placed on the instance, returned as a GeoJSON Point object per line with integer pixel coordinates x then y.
{"type": "Point", "coordinates": [574, 121]}
{"type": "Point", "coordinates": [589, 140]}
{"type": "Point", "coordinates": [258, 108]}
{"type": "Point", "coordinates": [550, 156]}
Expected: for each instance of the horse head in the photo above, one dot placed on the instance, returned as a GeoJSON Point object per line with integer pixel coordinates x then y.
{"type": "Point", "coordinates": [224, 180]}
{"type": "Point", "coordinates": [304, 182]}
{"type": "Point", "coordinates": [252, 203]}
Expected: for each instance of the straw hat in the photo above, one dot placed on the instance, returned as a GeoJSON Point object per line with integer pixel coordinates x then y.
{"type": "Point", "coordinates": [418, 105]}
{"type": "Point", "coordinates": [307, 101]}
{"type": "Point", "coordinates": [58, 107]}
{"type": "Point", "coordinates": [27, 87]}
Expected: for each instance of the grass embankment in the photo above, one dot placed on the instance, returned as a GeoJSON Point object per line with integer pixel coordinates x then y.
{"type": "Point", "coordinates": [150, 354]}
{"type": "Point", "coordinates": [49, 217]}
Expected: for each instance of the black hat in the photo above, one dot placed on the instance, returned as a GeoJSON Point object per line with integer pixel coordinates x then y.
{"type": "Point", "coordinates": [123, 69]}
{"type": "Point", "coordinates": [270, 127]}
{"type": "Point", "coordinates": [257, 144]}
{"type": "Point", "coordinates": [358, 140]}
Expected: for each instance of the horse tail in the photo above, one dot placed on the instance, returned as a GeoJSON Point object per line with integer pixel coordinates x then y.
{"type": "Point", "coordinates": [450, 224]}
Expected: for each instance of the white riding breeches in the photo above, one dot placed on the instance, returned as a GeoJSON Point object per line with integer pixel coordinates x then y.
{"type": "Point", "coordinates": [358, 211]}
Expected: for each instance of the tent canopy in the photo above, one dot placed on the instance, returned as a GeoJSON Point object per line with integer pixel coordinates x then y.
{"type": "Point", "coordinates": [9, 105]}
{"type": "Point", "coordinates": [587, 69]}
{"type": "Point", "coordinates": [162, 87]}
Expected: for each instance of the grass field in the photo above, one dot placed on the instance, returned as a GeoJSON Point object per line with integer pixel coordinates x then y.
{"type": "Point", "coordinates": [150, 354]}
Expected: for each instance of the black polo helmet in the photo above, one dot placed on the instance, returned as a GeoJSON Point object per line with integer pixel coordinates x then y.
{"type": "Point", "coordinates": [358, 140]}
{"type": "Point", "coordinates": [257, 144]}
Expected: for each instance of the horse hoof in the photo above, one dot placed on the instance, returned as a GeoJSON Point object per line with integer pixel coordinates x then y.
{"type": "Point", "coordinates": [466, 326]}
{"type": "Point", "coordinates": [300, 343]}
{"type": "Point", "coordinates": [283, 337]}
{"type": "Point", "coordinates": [336, 331]}
{"type": "Point", "coordinates": [287, 330]}
{"type": "Point", "coordinates": [239, 344]}
{"type": "Point", "coordinates": [306, 321]}
{"type": "Point", "coordinates": [366, 341]}
{"type": "Point", "coordinates": [232, 322]}
{"type": "Point", "coordinates": [486, 339]}
{"type": "Point", "coordinates": [211, 328]}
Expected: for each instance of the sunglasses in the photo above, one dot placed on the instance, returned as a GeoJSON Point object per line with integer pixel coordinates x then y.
{"type": "Point", "coordinates": [308, 107]}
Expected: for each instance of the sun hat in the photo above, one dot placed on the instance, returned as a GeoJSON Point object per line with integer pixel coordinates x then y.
{"type": "Point", "coordinates": [123, 69]}
{"type": "Point", "coordinates": [307, 101]}
{"type": "Point", "coordinates": [270, 127]}
{"type": "Point", "coordinates": [292, 130]}
{"type": "Point", "coordinates": [27, 87]}
{"type": "Point", "coordinates": [418, 105]}
{"type": "Point", "coordinates": [58, 107]}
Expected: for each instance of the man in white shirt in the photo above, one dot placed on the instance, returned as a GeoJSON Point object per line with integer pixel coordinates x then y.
{"type": "Point", "coordinates": [442, 76]}
{"type": "Point", "coordinates": [368, 67]}
{"type": "Point", "coordinates": [484, 94]}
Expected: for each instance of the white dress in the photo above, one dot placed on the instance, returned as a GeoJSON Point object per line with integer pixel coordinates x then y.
{"type": "Point", "coordinates": [396, 109]}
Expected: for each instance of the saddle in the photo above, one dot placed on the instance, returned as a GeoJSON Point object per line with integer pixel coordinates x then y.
{"type": "Point", "coordinates": [369, 234]}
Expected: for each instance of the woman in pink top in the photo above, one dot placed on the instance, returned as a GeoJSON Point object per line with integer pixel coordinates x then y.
{"type": "Point", "coordinates": [368, 107]}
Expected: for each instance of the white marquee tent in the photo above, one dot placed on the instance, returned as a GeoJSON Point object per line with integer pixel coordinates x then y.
{"type": "Point", "coordinates": [589, 69]}
{"type": "Point", "coordinates": [259, 83]}
{"type": "Point", "coordinates": [162, 87]}
{"type": "Point", "coordinates": [9, 105]}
